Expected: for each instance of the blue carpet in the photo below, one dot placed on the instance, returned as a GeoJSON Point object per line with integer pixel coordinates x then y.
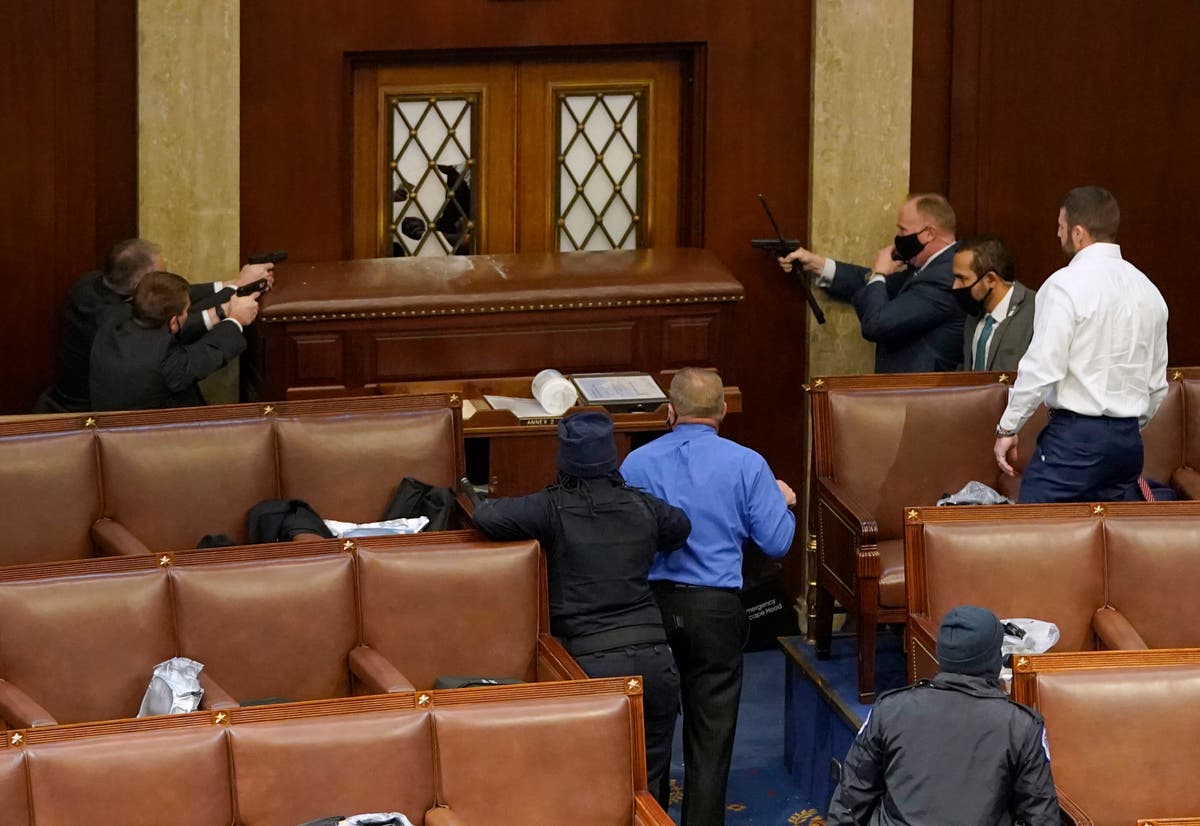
{"type": "Point", "coordinates": [761, 792]}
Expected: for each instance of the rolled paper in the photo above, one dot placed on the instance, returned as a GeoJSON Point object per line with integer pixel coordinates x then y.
{"type": "Point", "coordinates": [554, 392]}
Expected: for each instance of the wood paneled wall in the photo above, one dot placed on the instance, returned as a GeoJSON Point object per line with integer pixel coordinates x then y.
{"type": "Point", "coordinates": [1017, 101]}
{"type": "Point", "coordinates": [68, 169]}
{"type": "Point", "coordinates": [296, 153]}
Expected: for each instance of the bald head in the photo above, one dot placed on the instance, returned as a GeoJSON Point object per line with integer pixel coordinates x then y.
{"type": "Point", "coordinates": [698, 394]}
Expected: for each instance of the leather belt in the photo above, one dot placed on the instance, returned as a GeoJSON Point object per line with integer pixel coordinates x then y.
{"type": "Point", "coordinates": [616, 638]}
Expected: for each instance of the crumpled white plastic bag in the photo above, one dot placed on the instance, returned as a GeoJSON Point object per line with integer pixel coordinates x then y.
{"type": "Point", "coordinates": [388, 527]}
{"type": "Point", "coordinates": [975, 493]}
{"type": "Point", "coordinates": [174, 688]}
{"type": "Point", "coordinates": [1040, 637]}
{"type": "Point", "coordinates": [377, 819]}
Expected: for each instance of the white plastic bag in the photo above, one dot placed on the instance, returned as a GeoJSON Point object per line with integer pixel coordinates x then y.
{"type": "Point", "coordinates": [388, 527]}
{"type": "Point", "coordinates": [1040, 637]}
{"type": "Point", "coordinates": [174, 688]}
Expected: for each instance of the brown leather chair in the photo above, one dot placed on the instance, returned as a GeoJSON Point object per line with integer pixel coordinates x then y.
{"type": "Point", "coordinates": [50, 487]}
{"type": "Point", "coordinates": [292, 771]}
{"type": "Point", "coordinates": [147, 778]}
{"type": "Point", "coordinates": [470, 624]}
{"type": "Point", "coordinates": [881, 443]}
{"type": "Point", "coordinates": [1187, 478]}
{"type": "Point", "coordinates": [1122, 730]}
{"type": "Point", "coordinates": [580, 749]}
{"type": "Point", "coordinates": [14, 787]}
{"type": "Point", "coordinates": [81, 647]}
{"type": "Point", "coordinates": [348, 467]}
{"type": "Point", "coordinates": [279, 629]}
{"type": "Point", "coordinates": [169, 485]}
{"type": "Point", "coordinates": [1153, 572]}
{"type": "Point", "coordinates": [1050, 568]}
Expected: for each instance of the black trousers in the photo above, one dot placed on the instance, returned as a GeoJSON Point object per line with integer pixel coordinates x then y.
{"type": "Point", "coordinates": [660, 703]}
{"type": "Point", "coordinates": [706, 628]}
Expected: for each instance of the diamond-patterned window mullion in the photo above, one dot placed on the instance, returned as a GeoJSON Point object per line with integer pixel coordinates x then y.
{"type": "Point", "coordinates": [430, 175]}
{"type": "Point", "coordinates": [599, 157]}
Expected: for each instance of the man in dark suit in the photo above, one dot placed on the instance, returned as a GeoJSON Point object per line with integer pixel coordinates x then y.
{"type": "Point", "coordinates": [102, 291]}
{"type": "Point", "coordinates": [140, 361]}
{"type": "Point", "coordinates": [999, 310]}
{"type": "Point", "coordinates": [903, 302]}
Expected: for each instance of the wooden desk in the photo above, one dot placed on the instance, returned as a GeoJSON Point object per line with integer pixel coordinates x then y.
{"type": "Point", "coordinates": [345, 328]}
{"type": "Point", "coordinates": [515, 458]}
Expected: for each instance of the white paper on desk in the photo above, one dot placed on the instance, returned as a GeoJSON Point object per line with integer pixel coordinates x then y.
{"type": "Point", "coordinates": [521, 408]}
{"type": "Point", "coordinates": [600, 389]}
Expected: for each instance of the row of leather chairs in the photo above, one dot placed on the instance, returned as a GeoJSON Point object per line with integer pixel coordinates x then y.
{"type": "Point", "coordinates": [1119, 575]}
{"type": "Point", "coordinates": [884, 444]}
{"type": "Point", "coordinates": [290, 621]}
{"type": "Point", "coordinates": [538, 755]}
{"type": "Point", "coordinates": [160, 480]}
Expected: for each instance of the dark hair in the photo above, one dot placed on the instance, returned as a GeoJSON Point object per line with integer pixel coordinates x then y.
{"type": "Point", "coordinates": [159, 297]}
{"type": "Point", "coordinates": [1095, 209]}
{"type": "Point", "coordinates": [989, 255]}
{"type": "Point", "coordinates": [127, 262]}
{"type": "Point", "coordinates": [936, 210]}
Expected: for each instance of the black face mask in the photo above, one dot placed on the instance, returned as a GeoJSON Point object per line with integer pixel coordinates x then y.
{"type": "Point", "coordinates": [968, 303]}
{"type": "Point", "coordinates": [907, 247]}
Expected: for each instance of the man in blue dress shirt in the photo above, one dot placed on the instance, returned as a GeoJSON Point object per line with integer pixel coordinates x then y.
{"type": "Point", "coordinates": [731, 497]}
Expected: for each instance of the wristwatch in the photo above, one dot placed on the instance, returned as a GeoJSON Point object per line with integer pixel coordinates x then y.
{"type": "Point", "coordinates": [221, 316]}
{"type": "Point", "coordinates": [1001, 433]}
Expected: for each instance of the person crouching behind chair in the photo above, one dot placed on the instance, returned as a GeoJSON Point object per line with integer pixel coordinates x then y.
{"type": "Point", "coordinates": [139, 359]}
{"type": "Point", "coordinates": [952, 749]}
{"type": "Point", "coordinates": [600, 537]}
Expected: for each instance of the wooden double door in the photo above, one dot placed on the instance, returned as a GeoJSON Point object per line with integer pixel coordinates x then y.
{"type": "Point", "coordinates": [523, 155]}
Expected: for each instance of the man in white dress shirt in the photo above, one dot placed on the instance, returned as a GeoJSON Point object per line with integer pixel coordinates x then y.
{"type": "Point", "coordinates": [1098, 359]}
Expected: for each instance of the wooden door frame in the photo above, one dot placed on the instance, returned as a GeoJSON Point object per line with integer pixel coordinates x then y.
{"type": "Point", "coordinates": [692, 61]}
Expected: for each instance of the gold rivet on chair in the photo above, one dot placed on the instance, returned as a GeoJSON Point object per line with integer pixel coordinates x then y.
{"type": "Point", "coordinates": [269, 410]}
{"type": "Point", "coordinates": [165, 561]}
{"type": "Point", "coordinates": [1023, 662]}
{"type": "Point", "coordinates": [634, 685]}
{"type": "Point", "coordinates": [348, 545]}
{"type": "Point", "coordinates": [819, 383]}
{"type": "Point", "coordinates": [1003, 379]}
{"type": "Point", "coordinates": [17, 738]}
{"type": "Point", "coordinates": [222, 718]}
{"type": "Point", "coordinates": [90, 421]}
{"type": "Point", "coordinates": [1098, 510]}
{"type": "Point", "coordinates": [1177, 375]}
{"type": "Point", "coordinates": [453, 398]}
{"type": "Point", "coordinates": [424, 700]}
{"type": "Point", "coordinates": [913, 513]}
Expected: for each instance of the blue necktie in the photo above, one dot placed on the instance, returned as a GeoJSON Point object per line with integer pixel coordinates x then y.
{"type": "Point", "coordinates": [981, 345]}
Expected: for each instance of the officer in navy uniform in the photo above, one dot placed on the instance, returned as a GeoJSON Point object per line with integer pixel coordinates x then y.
{"type": "Point", "coordinates": [953, 749]}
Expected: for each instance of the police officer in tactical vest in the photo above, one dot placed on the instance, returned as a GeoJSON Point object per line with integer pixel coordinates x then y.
{"type": "Point", "coordinates": [950, 750]}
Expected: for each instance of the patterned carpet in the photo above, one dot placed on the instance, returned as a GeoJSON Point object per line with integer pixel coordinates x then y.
{"type": "Point", "coordinates": [761, 792]}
